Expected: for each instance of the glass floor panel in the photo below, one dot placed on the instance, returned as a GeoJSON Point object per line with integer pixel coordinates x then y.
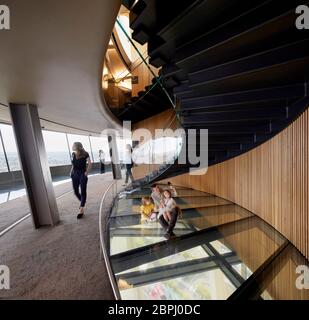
{"type": "Point", "coordinates": [187, 255]}
{"type": "Point", "coordinates": [180, 193]}
{"type": "Point", "coordinates": [138, 235]}
{"type": "Point", "coordinates": [126, 207]}
{"type": "Point", "coordinates": [126, 238]}
{"type": "Point", "coordinates": [218, 248]}
{"type": "Point", "coordinates": [209, 285]}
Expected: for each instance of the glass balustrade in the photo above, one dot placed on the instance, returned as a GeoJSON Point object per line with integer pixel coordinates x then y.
{"type": "Point", "coordinates": [128, 77]}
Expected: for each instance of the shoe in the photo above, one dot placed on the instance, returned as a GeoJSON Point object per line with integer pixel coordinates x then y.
{"type": "Point", "coordinates": [80, 215]}
{"type": "Point", "coordinates": [167, 236]}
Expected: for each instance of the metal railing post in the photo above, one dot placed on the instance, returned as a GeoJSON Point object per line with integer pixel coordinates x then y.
{"type": "Point", "coordinates": [4, 152]}
{"type": "Point", "coordinates": [68, 144]}
{"type": "Point", "coordinates": [91, 148]}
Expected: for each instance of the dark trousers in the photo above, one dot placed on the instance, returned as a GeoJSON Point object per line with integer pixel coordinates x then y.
{"type": "Point", "coordinates": [129, 173]}
{"type": "Point", "coordinates": [169, 227]}
{"type": "Point", "coordinates": [79, 181]}
{"type": "Point", "coordinates": [102, 167]}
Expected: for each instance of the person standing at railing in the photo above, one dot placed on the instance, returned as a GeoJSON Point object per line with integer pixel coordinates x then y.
{"type": "Point", "coordinates": [128, 163]}
{"type": "Point", "coordinates": [102, 160]}
{"type": "Point", "coordinates": [79, 174]}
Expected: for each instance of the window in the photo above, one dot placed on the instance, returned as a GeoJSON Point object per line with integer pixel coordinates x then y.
{"type": "Point", "coordinates": [84, 140]}
{"type": "Point", "coordinates": [56, 148]}
{"type": "Point", "coordinates": [3, 166]}
{"type": "Point", "coordinates": [10, 147]}
{"type": "Point", "coordinates": [99, 143]}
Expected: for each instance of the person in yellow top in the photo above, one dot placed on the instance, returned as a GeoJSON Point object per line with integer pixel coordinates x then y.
{"type": "Point", "coordinates": [147, 210]}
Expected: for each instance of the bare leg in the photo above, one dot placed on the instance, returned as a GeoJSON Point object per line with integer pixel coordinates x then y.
{"type": "Point", "coordinates": [166, 218]}
{"type": "Point", "coordinates": [169, 216]}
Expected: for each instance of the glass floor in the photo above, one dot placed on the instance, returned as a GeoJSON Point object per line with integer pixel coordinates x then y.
{"type": "Point", "coordinates": [221, 251]}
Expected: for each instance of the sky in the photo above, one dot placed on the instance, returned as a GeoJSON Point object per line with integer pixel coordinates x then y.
{"type": "Point", "coordinates": [54, 141]}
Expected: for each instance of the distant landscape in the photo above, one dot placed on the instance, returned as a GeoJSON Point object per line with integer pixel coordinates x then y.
{"type": "Point", "coordinates": [54, 159]}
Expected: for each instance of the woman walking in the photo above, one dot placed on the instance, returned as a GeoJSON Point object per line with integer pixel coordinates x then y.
{"type": "Point", "coordinates": [79, 174]}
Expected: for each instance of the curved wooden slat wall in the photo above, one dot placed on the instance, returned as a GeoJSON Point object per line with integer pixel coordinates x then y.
{"type": "Point", "coordinates": [271, 181]}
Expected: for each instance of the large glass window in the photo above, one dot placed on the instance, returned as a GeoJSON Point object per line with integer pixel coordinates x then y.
{"type": "Point", "coordinates": [3, 166]}
{"type": "Point", "coordinates": [84, 140]}
{"type": "Point", "coordinates": [122, 146]}
{"type": "Point", "coordinates": [56, 148]}
{"type": "Point", "coordinates": [10, 147]}
{"type": "Point", "coordinates": [100, 143]}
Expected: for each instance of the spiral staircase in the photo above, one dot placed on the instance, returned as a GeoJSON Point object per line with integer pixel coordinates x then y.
{"type": "Point", "coordinates": [238, 69]}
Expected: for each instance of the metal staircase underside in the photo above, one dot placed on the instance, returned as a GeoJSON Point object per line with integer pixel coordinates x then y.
{"type": "Point", "coordinates": [239, 69]}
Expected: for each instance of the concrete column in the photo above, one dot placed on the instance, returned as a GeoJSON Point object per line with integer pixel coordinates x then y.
{"type": "Point", "coordinates": [34, 164]}
{"type": "Point", "coordinates": [114, 154]}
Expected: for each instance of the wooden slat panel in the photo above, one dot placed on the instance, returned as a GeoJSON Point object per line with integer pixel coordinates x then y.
{"type": "Point", "coordinates": [271, 181]}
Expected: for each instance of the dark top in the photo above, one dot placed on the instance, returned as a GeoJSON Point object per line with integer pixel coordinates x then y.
{"type": "Point", "coordinates": [81, 163]}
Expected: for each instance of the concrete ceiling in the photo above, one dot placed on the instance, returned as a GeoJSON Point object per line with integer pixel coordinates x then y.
{"type": "Point", "coordinates": [53, 57]}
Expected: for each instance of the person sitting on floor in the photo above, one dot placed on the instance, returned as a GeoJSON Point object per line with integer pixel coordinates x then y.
{"type": "Point", "coordinates": [172, 189]}
{"type": "Point", "coordinates": [167, 205]}
{"type": "Point", "coordinates": [156, 196]}
{"type": "Point", "coordinates": [147, 210]}
{"type": "Point", "coordinates": [168, 214]}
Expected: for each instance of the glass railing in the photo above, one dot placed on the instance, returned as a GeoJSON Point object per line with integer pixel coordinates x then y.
{"type": "Point", "coordinates": [128, 77]}
{"type": "Point", "coordinates": [153, 157]}
{"type": "Point", "coordinates": [106, 204]}
{"type": "Point", "coordinates": [135, 88]}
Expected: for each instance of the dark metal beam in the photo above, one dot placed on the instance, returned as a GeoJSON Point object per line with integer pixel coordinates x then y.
{"type": "Point", "coordinates": [143, 232]}
{"type": "Point", "coordinates": [135, 257]}
{"type": "Point", "coordinates": [235, 116]}
{"type": "Point", "coordinates": [172, 271]}
{"type": "Point", "coordinates": [268, 59]}
{"type": "Point", "coordinates": [245, 129]}
{"type": "Point", "coordinates": [265, 13]}
{"type": "Point", "coordinates": [250, 289]}
{"type": "Point", "coordinates": [243, 97]}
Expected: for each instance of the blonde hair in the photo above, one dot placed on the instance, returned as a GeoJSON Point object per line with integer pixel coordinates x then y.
{"type": "Point", "coordinates": [146, 199]}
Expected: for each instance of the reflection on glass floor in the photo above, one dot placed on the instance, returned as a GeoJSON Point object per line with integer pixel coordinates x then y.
{"type": "Point", "coordinates": [221, 251]}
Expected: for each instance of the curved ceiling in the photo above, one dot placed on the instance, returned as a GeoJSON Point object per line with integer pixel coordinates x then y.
{"type": "Point", "coordinates": [53, 57]}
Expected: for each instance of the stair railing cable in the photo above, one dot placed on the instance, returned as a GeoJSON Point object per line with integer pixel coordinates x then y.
{"type": "Point", "coordinates": [145, 62]}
